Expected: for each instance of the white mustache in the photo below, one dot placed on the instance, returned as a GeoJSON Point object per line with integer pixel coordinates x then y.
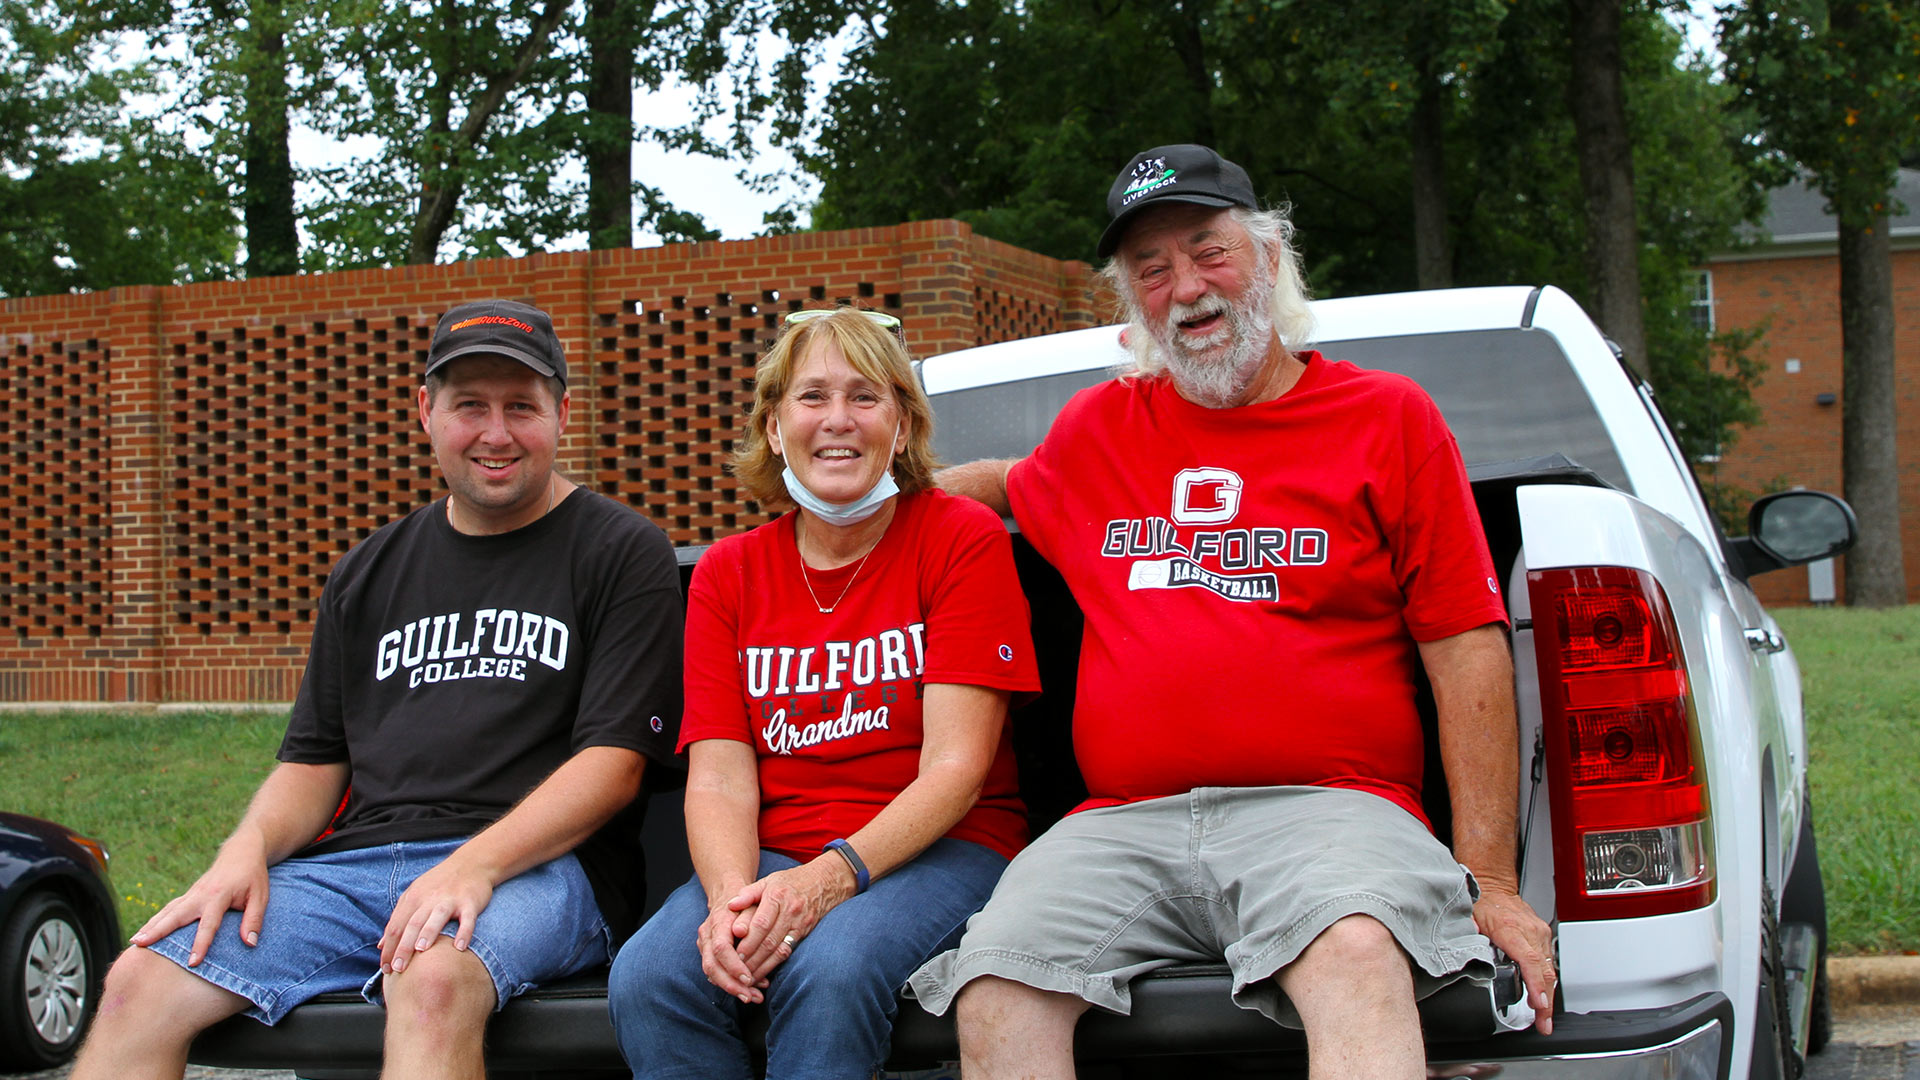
{"type": "Point", "coordinates": [1210, 304]}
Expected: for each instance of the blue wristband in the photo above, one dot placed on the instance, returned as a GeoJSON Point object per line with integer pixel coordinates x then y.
{"type": "Point", "coordinates": [861, 879]}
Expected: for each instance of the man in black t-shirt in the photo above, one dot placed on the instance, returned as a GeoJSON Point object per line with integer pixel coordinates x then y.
{"type": "Point", "coordinates": [487, 679]}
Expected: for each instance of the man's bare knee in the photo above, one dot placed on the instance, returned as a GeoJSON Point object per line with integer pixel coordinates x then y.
{"type": "Point", "coordinates": [146, 988]}
{"type": "Point", "coordinates": [441, 984]}
{"type": "Point", "coordinates": [990, 997]}
{"type": "Point", "coordinates": [150, 1010]}
{"type": "Point", "coordinates": [437, 1013]}
{"type": "Point", "coordinates": [1357, 946]}
{"type": "Point", "coordinates": [1353, 988]}
{"type": "Point", "coordinates": [1008, 1028]}
{"type": "Point", "coordinates": [135, 979]}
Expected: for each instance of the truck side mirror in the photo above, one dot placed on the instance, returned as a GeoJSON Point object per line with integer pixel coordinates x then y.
{"type": "Point", "coordinates": [1790, 528]}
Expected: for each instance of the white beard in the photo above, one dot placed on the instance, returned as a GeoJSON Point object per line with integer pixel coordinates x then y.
{"type": "Point", "coordinates": [1215, 371]}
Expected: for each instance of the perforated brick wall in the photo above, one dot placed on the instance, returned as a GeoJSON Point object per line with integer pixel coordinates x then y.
{"type": "Point", "coordinates": [282, 443]}
{"type": "Point", "coordinates": [187, 463]}
{"type": "Point", "coordinates": [54, 513]}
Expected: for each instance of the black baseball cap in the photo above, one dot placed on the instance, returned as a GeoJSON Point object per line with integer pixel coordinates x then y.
{"type": "Point", "coordinates": [1179, 173]}
{"type": "Point", "coordinates": [498, 328]}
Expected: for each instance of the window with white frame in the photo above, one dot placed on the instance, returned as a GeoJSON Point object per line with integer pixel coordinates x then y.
{"type": "Point", "coordinates": [1700, 299]}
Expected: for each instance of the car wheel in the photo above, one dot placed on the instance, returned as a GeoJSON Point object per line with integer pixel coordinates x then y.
{"type": "Point", "coordinates": [46, 983]}
{"type": "Point", "coordinates": [1805, 901]}
{"type": "Point", "coordinates": [1774, 1057]}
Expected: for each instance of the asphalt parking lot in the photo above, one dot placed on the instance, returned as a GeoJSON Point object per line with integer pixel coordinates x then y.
{"type": "Point", "coordinates": [1871, 1042]}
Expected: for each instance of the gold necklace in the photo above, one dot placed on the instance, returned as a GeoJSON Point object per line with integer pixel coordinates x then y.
{"type": "Point", "coordinates": [808, 580]}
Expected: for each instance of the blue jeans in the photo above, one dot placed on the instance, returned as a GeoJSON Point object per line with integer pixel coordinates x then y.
{"type": "Point", "coordinates": [830, 1007]}
{"type": "Point", "coordinates": [325, 914]}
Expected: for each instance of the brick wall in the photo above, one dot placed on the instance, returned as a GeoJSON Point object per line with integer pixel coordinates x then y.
{"type": "Point", "coordinates": [1797, 440]}
{"type": "Point", "coordinates": [186, 463]}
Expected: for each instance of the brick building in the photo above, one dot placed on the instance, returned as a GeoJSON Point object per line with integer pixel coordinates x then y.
{"type": "Point", "coordinates": [1789, 283]}
{"type": "Point", "coordinates": [185, 463]}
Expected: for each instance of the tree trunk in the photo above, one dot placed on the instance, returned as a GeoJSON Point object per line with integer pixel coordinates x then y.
{"type": "Point", "coordinates": [609, 137]}
{"type": "Point", "coordinates": [273, 236]}
{"type": "Point", "coordinates": [1596, 96]}
{"type": "Point", "coordinates": [435, 211]}
{"type": "Point", "coordinates": [1875, 569]}
{"type": "Point", "coordinates": [1432, 257]}
{"type": "Point", "coordinates": [442, 182]}
{"type": "Point", "coordinates": [1191, 47]}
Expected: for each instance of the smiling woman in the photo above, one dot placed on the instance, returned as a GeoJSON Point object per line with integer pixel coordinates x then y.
{"type": "Point", "coordinates": [851, 792]}
{"type": "Point", "coordinates": [838, 432]}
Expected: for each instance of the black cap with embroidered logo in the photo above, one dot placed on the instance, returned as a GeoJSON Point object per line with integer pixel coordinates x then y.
{"type": "Point", "coordinates": [1179, 173]}
{"type": "Point", "coordinates": [498, 328]}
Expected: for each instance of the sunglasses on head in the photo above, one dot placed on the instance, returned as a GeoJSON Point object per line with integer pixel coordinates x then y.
{"type": "Point", "coordinates": [877, 318]}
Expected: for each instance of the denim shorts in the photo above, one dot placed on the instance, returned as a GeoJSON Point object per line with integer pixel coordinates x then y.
{"type": "Point", "coordinates": [325, 915]}
{"type": "Point", "coordinates": [1246, 875]}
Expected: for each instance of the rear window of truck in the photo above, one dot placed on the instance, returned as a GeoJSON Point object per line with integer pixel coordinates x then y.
{"type": "Point", "coordinates": [1509, 395]}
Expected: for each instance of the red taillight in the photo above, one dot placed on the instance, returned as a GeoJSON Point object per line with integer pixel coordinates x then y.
{"type": "Point", "coordinates": [1629, 797]}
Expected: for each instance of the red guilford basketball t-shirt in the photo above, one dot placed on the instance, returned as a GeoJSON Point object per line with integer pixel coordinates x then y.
{"type": "Point", "coordinates": [831, 701]}
{"type": "Point", "coordinates": [1254, 579]}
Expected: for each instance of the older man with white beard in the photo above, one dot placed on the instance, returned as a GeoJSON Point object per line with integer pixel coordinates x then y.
{"type": "Point", "coordinates": [1265, 543]}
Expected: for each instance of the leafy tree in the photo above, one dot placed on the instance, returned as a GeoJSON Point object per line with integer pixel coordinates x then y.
{"type": "Point", "coordinates": [273, 238]}
{"type": "Point", "coordinates": [1837, 88]}
{"type": "Point", "coordinates": [1380, 122]}
{"type": "Point", "coordinates": [483, 115]}
{"type": "Point", "coordinates": [91, 197]}
{"type": "Point", "coordinates": [244, 69]}
{"type": "Point", "coordinates": [457, 99]}
{"type": "Point", "coordinates": [1401, 74]}
{"type": "Point", "coordinates": [480, 118]}
{"type": "Point", "coordinates": [1596, 98]}
{"type": "Point", "coordinates": [1011, 120]}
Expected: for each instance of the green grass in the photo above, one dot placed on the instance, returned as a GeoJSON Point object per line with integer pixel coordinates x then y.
{"type": "Point", "coordinates": [1861, 673]}
{"type": "Point", "coordinates": [161, 790]}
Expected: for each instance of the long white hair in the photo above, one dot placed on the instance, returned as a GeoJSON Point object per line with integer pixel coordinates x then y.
{"type": "Point", "coordinates": [1272, 234]}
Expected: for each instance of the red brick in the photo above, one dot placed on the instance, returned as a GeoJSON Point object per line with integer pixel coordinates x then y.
{"type": "Point", "coordinates": [170, 581]}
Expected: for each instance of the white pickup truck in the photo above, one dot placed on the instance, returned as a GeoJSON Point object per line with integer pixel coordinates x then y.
{"type": "Point", "coordinates": [1663, 804]}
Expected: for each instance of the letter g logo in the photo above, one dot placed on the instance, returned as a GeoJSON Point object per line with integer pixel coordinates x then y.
{"type": "Point", "coordinates": [1216, 491]}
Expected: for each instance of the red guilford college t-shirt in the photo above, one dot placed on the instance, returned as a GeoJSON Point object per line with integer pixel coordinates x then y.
{"type": "Point", "coordinates": [1254, 579]}
{"type": "Point", "coordinates": [831, 701]}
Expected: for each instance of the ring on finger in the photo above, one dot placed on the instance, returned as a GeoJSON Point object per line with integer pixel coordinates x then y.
{"type": "Point", "coordinates": [789, 941]}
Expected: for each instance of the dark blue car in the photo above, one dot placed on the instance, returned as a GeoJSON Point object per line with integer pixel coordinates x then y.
{"type": "Point", "coordinates": [58, 932]}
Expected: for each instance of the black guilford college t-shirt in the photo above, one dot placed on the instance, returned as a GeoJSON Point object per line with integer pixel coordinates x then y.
{"type": "Point", "coordinates": [453, 673]}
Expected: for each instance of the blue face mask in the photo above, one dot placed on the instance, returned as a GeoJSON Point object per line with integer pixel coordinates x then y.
{"type": "Point", "coordinates": [849, 513]}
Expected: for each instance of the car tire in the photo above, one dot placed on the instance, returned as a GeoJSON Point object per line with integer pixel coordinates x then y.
{"type": "Point", "coordinates": [47, 984]}
{"type": "Point", "coordinates": [1805, 901]}
{"type": "Point", "coordinates": [1774, 1057]}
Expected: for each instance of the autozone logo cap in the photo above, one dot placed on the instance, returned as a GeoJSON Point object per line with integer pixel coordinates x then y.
{"type": "Point", "coordinates": [498, 328]}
